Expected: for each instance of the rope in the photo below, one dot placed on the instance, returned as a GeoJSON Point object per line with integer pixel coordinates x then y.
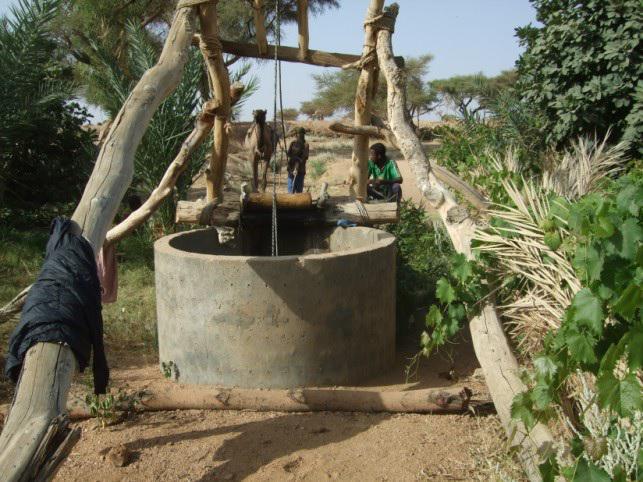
{"type": "Point", "coordinates": [275, 242]}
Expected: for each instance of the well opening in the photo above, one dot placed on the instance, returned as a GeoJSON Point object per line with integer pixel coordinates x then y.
{"type": "Point", "coordinates": [321, 313]}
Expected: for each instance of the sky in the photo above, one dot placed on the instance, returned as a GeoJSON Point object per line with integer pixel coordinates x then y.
{"type": "Point", "coordinates": [464, 36]}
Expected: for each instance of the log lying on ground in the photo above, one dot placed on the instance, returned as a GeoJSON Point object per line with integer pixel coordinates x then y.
{"type": "Point", "coordinates": [44, 384]}
{"type": "Point", "coordinates": [180, 397]}
{"type": "Point", "coordinates": [363, 130]}
{"type": "Point", "coordinates": [492, 349]}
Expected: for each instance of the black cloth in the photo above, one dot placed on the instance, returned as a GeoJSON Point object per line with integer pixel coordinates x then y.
{"type": "Point", "coordinates": [63, 306]}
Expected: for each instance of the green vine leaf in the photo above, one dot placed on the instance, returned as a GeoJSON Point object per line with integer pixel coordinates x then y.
{"type": "Point", "coordinates": [587, 310]}
{"type": "Point", "coordinates": [623, 396]}
{"type": "Point", "coordinates": [444, 291]}
{"type": "Point", "coordinates": [588, 472]}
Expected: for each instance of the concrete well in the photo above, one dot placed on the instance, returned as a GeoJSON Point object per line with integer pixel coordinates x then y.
{"type": "Point", "coordinates": [322, 313]}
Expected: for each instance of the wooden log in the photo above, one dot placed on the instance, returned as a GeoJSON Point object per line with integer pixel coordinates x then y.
{"type": "Point", "coordinates": [182, 397]}
{"type": "Point", "coordinates": [363, 101]}
{"type": "Point", "coordinates": [365, 130]}
{"type": "Point", "coordinates": [33, 420]}
{"type": "Point", "coordinates": [211, 48]}
{"type": "Point", "coordinates": [492, 349]}
{"type": "Point", "coordinates": [14, 307]}
{"type": "Point", "coordinates": [195, 212]}
{"type": "Point", "coordinates": [227, 214]}
{"type": "Point", "coordinates": [291, 54]}
{"type": "Point", "coordinates": [262, 201]}
{"type": "Point", "coordinates": [260, 26]}
{"type": "Point", "coordinates": [302, 27]}
{"type": "Point", "coordinates": [46, 374]}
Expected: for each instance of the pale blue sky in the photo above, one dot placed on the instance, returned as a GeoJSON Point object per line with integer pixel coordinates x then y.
{"type": "Point", "coordinates": [464, 36]}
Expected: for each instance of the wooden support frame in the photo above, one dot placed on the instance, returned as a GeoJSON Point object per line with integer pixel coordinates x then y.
{"type": "Point", "coordinates": [363, 100]}
{"type": "Point", "coordinates": [302, 26]}
{"type": "Point", "coordinates": [211, 48]}
{"type": "Point", "coordinates": [260, 26]}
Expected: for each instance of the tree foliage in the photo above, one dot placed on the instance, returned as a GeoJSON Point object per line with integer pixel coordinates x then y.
{"type": "Point", "coordinates": [107, 20]}
{"type": "Point", "coordinates": [335, 91]}
{"type": "Point", "coordinates": [471, 94]}
{"type": "Point", "coordinates": [583, 68]}
{"type": "Point", "coordinates": [41, 140]}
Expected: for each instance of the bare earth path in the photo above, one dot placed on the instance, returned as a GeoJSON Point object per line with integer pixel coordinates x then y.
{"type": "Point", "coordinates": [269, 446]}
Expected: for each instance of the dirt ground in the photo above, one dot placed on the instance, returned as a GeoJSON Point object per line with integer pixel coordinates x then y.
{"type": "Point", "coordinates": [200, 445]}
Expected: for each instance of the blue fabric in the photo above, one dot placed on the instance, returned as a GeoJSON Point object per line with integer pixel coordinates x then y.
{"type": "Point", "coordinates": [345, 223]}
{"type": "Point", "coordinates": [295, 183]}
{"type": "Point", "coordinates": [63, 306]}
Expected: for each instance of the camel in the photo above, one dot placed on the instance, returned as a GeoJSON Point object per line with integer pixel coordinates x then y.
{"type": "Point", "coordinates": [260, 143]}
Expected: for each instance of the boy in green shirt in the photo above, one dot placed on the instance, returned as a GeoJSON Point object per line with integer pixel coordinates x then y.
{"type": "Point", "coordinates": [384, 178]}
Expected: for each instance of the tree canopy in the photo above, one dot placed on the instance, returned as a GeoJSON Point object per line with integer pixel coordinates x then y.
{"type": "Point", "coordinates": [41, 139]}
{"type": "Point", "coordinates": [335, 91]}
{"type": "Point", "coordinates": [471, 94]}
{"type": "Point", "coordinates": [583, 69]}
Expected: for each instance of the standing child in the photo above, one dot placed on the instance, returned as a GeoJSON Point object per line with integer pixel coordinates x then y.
{"type": "Point", "coordinates": [297, 157]}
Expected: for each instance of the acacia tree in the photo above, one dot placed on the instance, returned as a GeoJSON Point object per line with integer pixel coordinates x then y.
{"type": "Point", "coordinates": [335, 91]}
{"type": "Point", "coordinates": [583, 69]}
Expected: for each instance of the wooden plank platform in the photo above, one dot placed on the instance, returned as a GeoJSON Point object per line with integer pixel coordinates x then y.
{"type": "Point", "coordinates": [229, 213]}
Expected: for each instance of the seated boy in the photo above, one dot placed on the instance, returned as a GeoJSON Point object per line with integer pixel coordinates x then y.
{"type": "Point", "coordinates": [384, 178]}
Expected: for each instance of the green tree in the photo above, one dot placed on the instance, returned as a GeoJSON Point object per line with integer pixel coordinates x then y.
{"type": "Point", "coordinates": [41, 139]}
{"type": "Point", "coordinates": [471, 94]}
{"type": "Point", "coordinates": [583, 69]}
{"type": "Point", "coordinates": [107, 19]}
{"type": "Point", "coordinates": [335, 91]}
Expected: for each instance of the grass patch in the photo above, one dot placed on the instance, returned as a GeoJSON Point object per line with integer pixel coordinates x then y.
{"type": "Point", "coordinates": [319, 164]}
{"type": "Point", "coordinates": [130, 323]}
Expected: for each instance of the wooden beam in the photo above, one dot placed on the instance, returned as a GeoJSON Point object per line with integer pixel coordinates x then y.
{"type": "Point", "coordinates": [258, 201]}
{"type": "Point", "coordinates": [500, 367]}
{"type": "Point", "coordinates": [363, 100]}
{"type": "Point", "coordinates": [260, 26]}
{"type": "Point", "coordinates": [334, 209]}
{"type": "Point", "coordinates": [211, 49]}
{"type": "Point", "coordinates": [302, 25]}
{"type": "Point", "coordinates": [289, 54]}
{"type": "Point", "coordinates": [370, 131]}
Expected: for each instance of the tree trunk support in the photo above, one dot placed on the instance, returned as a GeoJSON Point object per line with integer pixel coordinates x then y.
{"type": "Point", "coordinates": [41, 394]}
{"type": "Point", "coordinates": [302, 26]}
{"type": "Point", "coordinates": [492, 349]}
{"type": "Point", "coordinates": [363, 100]}
{"type": "Point", "coordinates": [260, 26]}
{"type": "Point", "coordinates": [211, 47]}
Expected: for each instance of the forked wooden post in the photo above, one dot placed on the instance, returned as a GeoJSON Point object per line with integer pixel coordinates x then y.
{"type": "Point", "coordinates": [211, 48]}
{"type": "Point", "coordinates": [363, 101]}
{"type": "Point", "coordinates": [302, 25]}
{"type": "Point", "coordinates": [500, 367]}
{"type": "Point", "coordinates": [260, 26]}
{"type": "Point", "coordinates": [46, 374]}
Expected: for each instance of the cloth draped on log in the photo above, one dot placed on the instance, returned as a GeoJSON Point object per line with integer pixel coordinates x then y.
{"type": "Point", "coordinates": [63, 306]}
{"type": "Point", "coordinates": [107, 273]}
